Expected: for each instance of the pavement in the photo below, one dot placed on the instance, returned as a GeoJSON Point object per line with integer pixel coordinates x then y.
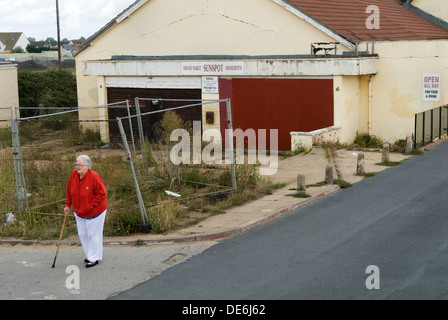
{"type": "Point", "coordinates": [242, 218]}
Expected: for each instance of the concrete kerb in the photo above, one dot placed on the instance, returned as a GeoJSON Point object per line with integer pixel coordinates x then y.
{"type": "Point", "coordinates": [206, 236]}
{"type": "Point", "coordinates": [212, 236]}
{"type": "Point", "coordinates": [233, 231]}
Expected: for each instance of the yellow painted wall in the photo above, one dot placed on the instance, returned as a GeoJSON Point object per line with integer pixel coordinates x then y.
{"type": "Point", "coordinates": [438, 8]}
{"type": "Point", "coordinates": [211, 107]}
{"type": "Point", "coordinates": [397, 89]}
{"type": "Point", "coordinates": [364, 112]}
{"type": "Point", "coordinates": [261, 27]}
{"type": "Point", "coordinates": [347, 106]}
{"type": "Point", "coordinates": [9, 92]}
{"type": "Point", "coordinates": [196, 27]}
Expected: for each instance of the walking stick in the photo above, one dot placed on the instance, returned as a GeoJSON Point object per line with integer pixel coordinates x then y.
{"type": "Point", "coordinates": [60, 238]}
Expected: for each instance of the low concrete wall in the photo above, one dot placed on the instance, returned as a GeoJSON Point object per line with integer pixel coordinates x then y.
{"type": "Point", "coordinates": [44, 56]}
{"type": "Point", "coordinates": [316, 137]}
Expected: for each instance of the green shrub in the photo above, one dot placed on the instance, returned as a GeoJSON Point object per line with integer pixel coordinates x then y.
{"type": "Point", "coordinates": [194, 178]}
{"type": "Point", "coordinates": [49, 88]}
{"type": "Point", "coordinates": [365, 140]}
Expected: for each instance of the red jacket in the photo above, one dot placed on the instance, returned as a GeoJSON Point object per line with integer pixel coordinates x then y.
{"type": "Point", "coordinates": [88, 195]}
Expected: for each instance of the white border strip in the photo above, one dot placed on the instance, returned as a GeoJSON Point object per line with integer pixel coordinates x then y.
{"type": "Point", "coordinates": [130, 10]}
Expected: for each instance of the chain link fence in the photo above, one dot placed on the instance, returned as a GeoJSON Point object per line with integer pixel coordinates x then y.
{"type": "Point", "coordinates": [38, 154]}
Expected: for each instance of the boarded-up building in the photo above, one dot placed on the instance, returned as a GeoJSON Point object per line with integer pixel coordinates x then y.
{"type": "Point", "coordinates": [295, 66]}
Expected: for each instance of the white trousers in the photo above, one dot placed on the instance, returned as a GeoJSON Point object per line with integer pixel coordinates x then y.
{"type": "Point", "coordinates": [90, 232]}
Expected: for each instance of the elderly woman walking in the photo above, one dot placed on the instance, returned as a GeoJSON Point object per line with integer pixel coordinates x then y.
{"type": "Point", "coordinates": [86, 192]}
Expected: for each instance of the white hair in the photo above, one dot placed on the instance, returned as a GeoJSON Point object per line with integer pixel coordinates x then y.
{"type": "Point", "coordinates": [86, 160]}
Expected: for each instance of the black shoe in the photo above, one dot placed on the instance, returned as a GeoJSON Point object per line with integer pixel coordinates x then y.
{"type": "Point", "coordinates": [86, 261]}
{"type": "Point", "coordinates": [91, 264]}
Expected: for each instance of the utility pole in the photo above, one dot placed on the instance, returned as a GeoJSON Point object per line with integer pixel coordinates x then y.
{"type": "Point", "coordinates": [59, 35]}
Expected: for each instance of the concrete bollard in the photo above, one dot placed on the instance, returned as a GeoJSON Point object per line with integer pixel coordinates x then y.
{"type": "Point", "coordinates": [360, 166]}
{"type": "Point", "coordinates": [385, 157]}
{"type": "Point", "coordinates": [409, 144]}
{"type": "Point", "coordinates": [329, 174]}
{"type": "Point", "coordinates": [301, 185]}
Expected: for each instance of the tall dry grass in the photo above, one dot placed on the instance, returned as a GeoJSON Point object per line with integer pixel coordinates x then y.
{"type": "Point", "coordinates": [48, 159]}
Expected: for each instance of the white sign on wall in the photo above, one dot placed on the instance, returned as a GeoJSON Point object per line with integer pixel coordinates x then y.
{"type": "Point", "coordinates": [210, 85]}
{"type": "Point", "coordinates": [431, 87]}
{"type": "Point", "coordinates": [214, 68]}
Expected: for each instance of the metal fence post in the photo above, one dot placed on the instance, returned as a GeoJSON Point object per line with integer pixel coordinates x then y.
{"type": "Point", "coordinates": [230, 137]}
{"type": "Point", "coordinates": [423, 130]}
{"type": "Point", "coordinates": [146, 222]}
{"type": "Point", "coordinates": [140, 131]}
{"type": "Point", "coordinates": [446, 108]}
{"type": "Point", "coordinates": [415, 130]}
{"type": "Point", "coordinates": [22, 200]}
{"type": "Point", "coordinates": [432, 126]}
{"type": "Point", "coordinates": [131, 130]}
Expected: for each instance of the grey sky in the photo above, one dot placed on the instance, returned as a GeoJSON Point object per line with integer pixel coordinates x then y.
{"type": "Point", "coordinates": [37, 18]}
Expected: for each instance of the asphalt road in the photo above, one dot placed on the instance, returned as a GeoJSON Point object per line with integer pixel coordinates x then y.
{"type": "Point", "coordinates": [395, 224]}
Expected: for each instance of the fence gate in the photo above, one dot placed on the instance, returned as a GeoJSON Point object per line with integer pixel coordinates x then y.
{"type": "Point", "coordinates": [430, 125]}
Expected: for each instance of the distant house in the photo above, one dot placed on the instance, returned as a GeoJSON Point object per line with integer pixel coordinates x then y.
{"type": "Point", "coordinates": [77, 43]}
{"type": "Point", "coordinates": [74, 45]}
{"type": "Point", "coordinates": [12, 40]}
{"type": "Point", "coordinates": [41, 44]}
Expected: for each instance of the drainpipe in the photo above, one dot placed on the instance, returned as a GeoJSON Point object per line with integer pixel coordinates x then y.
{"type": "Point", "coordinates": [370, 105]}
